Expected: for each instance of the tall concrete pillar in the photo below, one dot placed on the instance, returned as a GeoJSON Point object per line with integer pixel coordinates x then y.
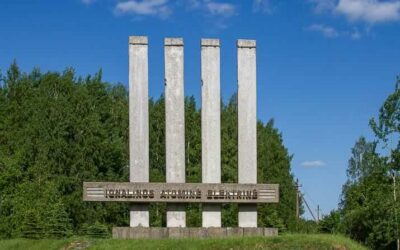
{"type": "Point", "coordinates": [138, 123]}
{"type": "Point", "coordinates": [210, 125]}
{"type": "Point", "coordinates": [175, 124]}
{"type": "Point", "coordinates": [247, 103]}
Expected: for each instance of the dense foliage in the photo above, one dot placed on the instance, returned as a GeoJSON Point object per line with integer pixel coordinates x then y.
{"type": "Point", "coordinates": [58, 130]}
{"type": "Point", "coordinates": [369, 205]}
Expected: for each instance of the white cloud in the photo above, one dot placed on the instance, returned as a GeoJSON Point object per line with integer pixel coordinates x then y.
{"type": "Point", "coordinates": [262, 6]}
{"type": "Point", "coordinates": [370, 11]}
{"type": "Point", "coordinates": [331, 32]}
{"type": "Point", "coordinates": [145, 7]}
{"type": "Point", "coordinates": [323, 5]}
{"type": "Point", "coordinates": [193, 4]}
{"type": "Point", "coordinates": [326, 31]}
{"type": "Point", "coordinates": [220, 9]}
{"type": "Point", "coordinates": [316, 163]}
{"type": "Point", "coordinates": [217, 14]}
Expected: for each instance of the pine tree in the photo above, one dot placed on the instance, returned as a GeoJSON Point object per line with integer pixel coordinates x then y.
{"type": "Point", "coordinates": [32, 225]}
{"type": "Point", "coordinates": [58, 223]}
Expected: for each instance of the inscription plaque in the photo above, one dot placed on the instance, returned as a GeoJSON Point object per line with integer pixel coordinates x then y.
{"type": "Point", "coordinates": [181, 192]}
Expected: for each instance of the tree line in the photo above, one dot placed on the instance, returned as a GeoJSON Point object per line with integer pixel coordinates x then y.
{"type": "Point", "coordinates": [58, 129]}
{"type": "Point", "coordinates": [368, 211]}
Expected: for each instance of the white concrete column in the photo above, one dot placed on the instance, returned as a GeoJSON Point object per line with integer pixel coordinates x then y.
{"type": "Point", "coordinates": [175, 124]}
{"type": "Point", "coordinates": [138, 123]}
{"type": "Point", "coordinates": [210, 125]}
{"type": "Point", "coordinates": [247, 103]}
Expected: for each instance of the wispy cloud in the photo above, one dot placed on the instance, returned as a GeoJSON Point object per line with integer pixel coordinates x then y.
{"type": "Point", "coordinates": [192, 4]}
{"type": "Point", "coordinates": [323, 5]}
{"type": "Point", "coordinates": [316, 163]}
{"type": "Point", "coordinates": [326, 31]}
{"type": "Point", "coordinates": [262, 6]}
{"type": "Point", "coordinates": [367, 11]}
{"type": "Point", "coordinates": [331, 32]}
{"type": "Point", "coordinates": [157, 8]}
{"type": "Point", "coordinates": [217, 13]}
{"type": "Point", "coordinates": [220, 9]}
{"type": "Point", "coordinates": [211, 7]}
{"type": "Point", "coordinates": [370, 11]}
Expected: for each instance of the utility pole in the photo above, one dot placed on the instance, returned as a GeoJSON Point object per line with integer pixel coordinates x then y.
{"type": "Point", "coordinates": [395, 209]}
{"type": "Point", "coordinates": [297, 199]}
{"type": "Point", "coordinates": [297, 185]}
{"type": "Point", "coordinates": [318, 210]}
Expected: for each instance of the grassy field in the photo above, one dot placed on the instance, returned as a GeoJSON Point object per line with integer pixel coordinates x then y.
{"type": "Point", "coordinates": [288, 241]}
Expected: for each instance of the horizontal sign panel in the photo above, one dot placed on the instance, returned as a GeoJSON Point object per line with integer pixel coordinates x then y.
{"type": "Point", "coordinates": [180, 192]}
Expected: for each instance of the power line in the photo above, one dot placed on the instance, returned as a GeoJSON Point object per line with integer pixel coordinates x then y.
{"type": "Point", "coordinates": [301, 197]}
{"type": "Point", "coordinates": [305, 192]}
{"type": "Point", "coordinates": [309, 209]}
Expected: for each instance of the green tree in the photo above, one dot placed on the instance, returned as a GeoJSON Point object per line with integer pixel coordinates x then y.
{"type": "Point", "coordinates": [229, 156]}
{"type": "Point", "coordinates": [366, 206]}
{"type": "Point", "coordinates": [58, 130]}
{"type": "Point", "coordinates": [157, 156]}
{"type": "Point", "coordinates": [274, 167]}
{"type": "Point", "coordinates": [331, 223]}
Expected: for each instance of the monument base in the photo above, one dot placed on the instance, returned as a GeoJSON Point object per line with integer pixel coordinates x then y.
{"type": "Point", "coordinates": [189, 232]}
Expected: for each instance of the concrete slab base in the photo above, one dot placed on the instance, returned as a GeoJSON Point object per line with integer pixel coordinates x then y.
{"type": "Point", "coordinates": [189, 232]}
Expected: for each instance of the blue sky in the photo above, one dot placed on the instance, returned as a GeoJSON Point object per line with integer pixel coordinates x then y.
{"type": "Point", "coordinates": [324, 66]}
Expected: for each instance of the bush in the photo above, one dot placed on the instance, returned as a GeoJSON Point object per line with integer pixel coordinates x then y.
{"type": "Point", "coordinates": [97, 230]}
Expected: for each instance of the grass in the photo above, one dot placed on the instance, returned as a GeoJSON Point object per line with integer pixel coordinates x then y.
{"type": "Point", "coordinates": [25, 244]}
{"type": "Point", "coordinates": [286, 241]}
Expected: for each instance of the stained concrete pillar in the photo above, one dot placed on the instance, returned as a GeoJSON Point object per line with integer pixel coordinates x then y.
{"type": "Point", "coordinates": [175, 124]}
{"type": "Point", "coordinates": [210, 125]}
{"type": "Point", "coordinates": [247, 122]}
{"type": "Point", "coordinates": [138, 124]}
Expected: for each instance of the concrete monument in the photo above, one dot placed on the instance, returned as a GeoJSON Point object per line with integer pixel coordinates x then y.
{"type": "Point", "coordinates": [175, 192]}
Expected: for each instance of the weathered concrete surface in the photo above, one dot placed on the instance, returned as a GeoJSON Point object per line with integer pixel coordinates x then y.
{"type": "Point", "coordinates": [211, 215]}
{"type": "Point", "coordinates": [210, 125]}
{"type": "Point", "coordinates": [248, 215]}
{"type": "Point", "coordinates": [138, 123]}
{"type": "Point", "coordinates": [180, 232]}
{"type": "Point", "coordinates": [253, 231]}
{"type": "Point", "coordinates": [181, 192]}
{"type": "Point", "coordinates": [158, 232]}
{"type": "Point", "coordinates": [175, 124]}
{"type": "Point", "coordinates": [197, 232]}
{"type": "Point", "coordinates": [216, 232]}
{"type": "Point", "coordinates": [247, 124]}
{"type": "Point", "coordinates": [234, 231]}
